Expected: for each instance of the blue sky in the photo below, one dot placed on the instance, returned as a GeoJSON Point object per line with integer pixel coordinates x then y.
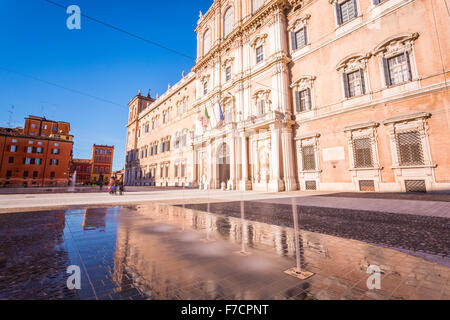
{"type": "Point", "coordinates": [95, 60]}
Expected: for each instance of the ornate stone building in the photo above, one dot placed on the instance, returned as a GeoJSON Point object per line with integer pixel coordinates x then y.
{"type": "Point", "coordinates": [345, 95]}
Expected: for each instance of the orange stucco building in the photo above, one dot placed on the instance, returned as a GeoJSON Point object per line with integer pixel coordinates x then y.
{"type": "Point", "coordinates": [37, 155]}
{"type": "Point", "coordinates": [341, 95]}
{"type": "Point", "coordinates": [97, 169]}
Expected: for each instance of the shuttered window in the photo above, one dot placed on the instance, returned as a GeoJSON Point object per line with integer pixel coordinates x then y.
{"type": "Point", "coordinates": [410, 149]}
{"type": "Point", "coordinates": [354, 84]}
{"type": "Point", "coordinates": [303, 100]}
{"type": "Point", "coordinates": [346, 11]}
{"type": "Point", "coordinates": [308, 158]}
{"type": "Point", "coordinates": [362, 153]}
{"type": "Point", "coordinates": [397, 69]}
{"type": "Point", "coordinates": [299, 39]}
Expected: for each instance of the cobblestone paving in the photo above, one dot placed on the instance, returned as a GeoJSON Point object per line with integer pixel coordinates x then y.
{"type": "Point", "coordinates": [410, 232]}
{"type": "Point", "coordinates": [168, 252]}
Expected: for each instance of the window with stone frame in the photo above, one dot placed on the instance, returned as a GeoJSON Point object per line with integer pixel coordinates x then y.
{"type": "Point", "coordinates": [228, 74]}
{"type": "Point", "coordinates": [261, 102]}
{"type": "Point", "coordinates": [228, 22]}
{"type": "Point", "coordinates": [346, 11]}
{"type": "Point", "coordinates": [362, 146]}
{"type": "Point", "coordinates": [375, 2]}
{"type": "Point", "coordinates": [362, 153]}
{"type": "Point", "coordinates": [299, 38]}
{"type": "Point", "coordinates": [354, 83]}
{"type": "Point", "coordinates": [397, 69]}
{"type": "Point", "coordinates": [308, 158]}
{"type": "Point", "coordinates": [206, 41]}
{"type": "Point", "coordinates": [302, 91]}
{"type": "Point", "coordinates": [261, 107]}
{"type": "Point", "coordinates": [303, 100]}
{"type": "Point", "coordinates": [410, 150]}
{"type": "Point", "coordinates": [205, 88]}
{"type": "Point", "coordinates": [259, 54]}
{"type": "Point", "coordinates": [397, 59]}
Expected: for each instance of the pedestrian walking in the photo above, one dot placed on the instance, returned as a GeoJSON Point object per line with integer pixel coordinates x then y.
{"type": "Point", "coordinates": [121, 187]}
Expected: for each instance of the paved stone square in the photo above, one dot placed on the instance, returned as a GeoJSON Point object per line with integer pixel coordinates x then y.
{"type": "Point", "coordinates": [217, 248]}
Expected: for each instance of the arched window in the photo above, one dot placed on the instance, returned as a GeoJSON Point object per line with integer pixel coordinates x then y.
{"type": "Point", "coordinates": [257, 4]}
{"type": "Point", "coordinates": [206, 41]}
{"type": "Point", "coordinates": [228, 21]}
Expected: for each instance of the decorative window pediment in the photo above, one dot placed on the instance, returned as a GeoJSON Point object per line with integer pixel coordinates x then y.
{"type": "Point", "coordinates": [353, 62]}
{"type": "Point", "coordinates": [228, 62]}
{"type": "Point", "coordinates": [303, 82]}
{"type": "Point", "coordinates": [396, 44]}
{"type": "Point", "coordinates": [299, 23]}
{"type": "Point", "coordinates": [259, 40]}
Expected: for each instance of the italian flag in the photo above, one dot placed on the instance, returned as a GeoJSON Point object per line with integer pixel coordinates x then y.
{"type": "Point", "coordinates": [206, 113]}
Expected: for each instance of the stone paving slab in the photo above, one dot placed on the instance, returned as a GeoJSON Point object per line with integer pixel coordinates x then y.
{"type": "Point", "coordinates": [413, 207]}
{"type": "Point", "coordinates": [157, 252]}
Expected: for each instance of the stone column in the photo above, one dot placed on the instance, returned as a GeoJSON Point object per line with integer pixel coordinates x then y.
{"type": "Point", "coordinates": [209, 164]}
{"type": "Point", "coordinates": [232, 143]}
{"type": "Point", "coordinates": [276, 184]}
{"type": "Point", "coordinates": [245, 183]}
{"type": "Point", "coordinates": [290, 182]}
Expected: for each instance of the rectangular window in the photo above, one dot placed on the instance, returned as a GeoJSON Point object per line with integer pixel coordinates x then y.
{"type": "Point", "coordinates": [303, 100]}
{"type": "Point", "coordinates": [259, 54]}
{"type": "Point", "coordinates": [228, 74]}
{"type": "Point", "coordinates": [27, 160]}
{"type": "Point", "coordinates": [52, 175]}
{"type": "Point", "coordinates": [30, 150]}
{"type": "Point", "coordinates": [299, 39]}
{"type": "Point", "coordinates": [397, 69]}
{"type": "Point", "coordinates": [262, 107]}
{"type": "Point", "coordinates": [35, 174]}
{"type": "Point", "coordinates": [309, 158]}
{"type": "Point", "coordinates": [355, 82]}
{"type": "Point", "coordinates": [410, 149]}
{"type": "Point", "coordinates": [205, 88]}
{"type": "Point", "coordinates": [13, 149]}
{"type": "Point", "coordinates": [38, 161]}
{"type": "Point", "coordinates": [8, 174]}
{"type": "Point", "coordinates": [54, 162]}
{"type": "Point", "coordinates": [25, 174]}
{"type": "Point", "coordinates": [11, 160]}
{"type": "Point", "coordinates": [346, 11]}
{"type": "Point", "coordinates": [185, 107]}
{"type": "Point", "coordinates": [362, 153]}
{"type": "Point", "coordinates": [55, 151]}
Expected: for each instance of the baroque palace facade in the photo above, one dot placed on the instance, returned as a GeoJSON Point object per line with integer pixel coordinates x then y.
{"type": "Point", "coordinates": [344, 95]}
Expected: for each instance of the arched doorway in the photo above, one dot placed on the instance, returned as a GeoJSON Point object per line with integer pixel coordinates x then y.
{"type": "Point", "coordinates": [223, 164]}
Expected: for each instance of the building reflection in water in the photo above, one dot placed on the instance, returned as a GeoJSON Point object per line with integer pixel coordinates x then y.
{"type": "Point", "coordinates": [94, 219]}
{"type": "Point", "coordinates": [164, 267]}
